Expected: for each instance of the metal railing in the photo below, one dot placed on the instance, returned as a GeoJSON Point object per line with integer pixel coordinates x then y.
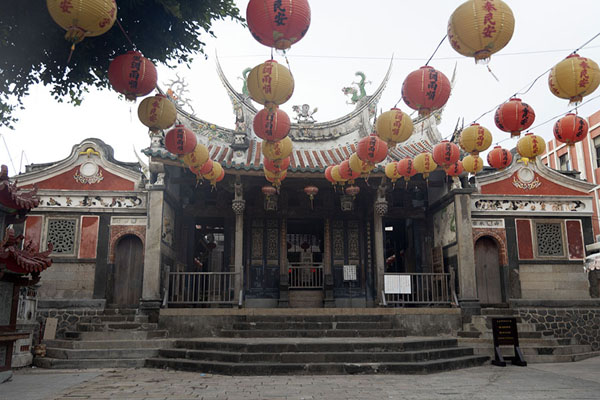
{"type": "Point", "coordinates": [188, 288]}
{"type": "Point", "coordinates": [421, 289]}
{"type": "Point", "coordinates": [305, 276]}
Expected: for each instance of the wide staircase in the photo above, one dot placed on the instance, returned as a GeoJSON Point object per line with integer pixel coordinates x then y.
{"type": "Point", "coordinates": [118, 338]}
{"type": "Point", "coordinates": [315, 344]}
{"type": "Point", "coordinates": [537, 344]}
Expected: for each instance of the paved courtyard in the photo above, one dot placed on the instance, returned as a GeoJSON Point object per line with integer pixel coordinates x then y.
{"type": "Point", "coordinates": [580, 380]}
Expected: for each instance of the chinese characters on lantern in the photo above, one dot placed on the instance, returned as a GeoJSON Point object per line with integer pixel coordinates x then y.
{"type": "Point", "coordinates": [489, 25]}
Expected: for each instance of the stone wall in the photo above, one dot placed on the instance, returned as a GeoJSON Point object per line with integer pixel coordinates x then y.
{"type": "Point", "coordinates": [582, 324]}
{"type": "Point", "coordinates": [68, 281]}
{"type": "Point", "coordinates": [554, 281]}
{"type": "Point", "coordinates": [68, 317]}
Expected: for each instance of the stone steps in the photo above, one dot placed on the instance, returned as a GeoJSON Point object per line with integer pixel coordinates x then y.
{"type": "Point", "coordinates": [78, 354]}
{"type": "Point", "coordinates": [311, 333]}
{"type": "Point", "coordinates": [117, 335]}
{"type": "Point", "coordinates": [59, 363]}
{"type": "Point", "coordinates": [316, 368]}
{"type": "Point", "coordinates": [312, 325]}
{"type": "Point", "coordinates": [317, 318]}
{"type": "Point", "coordinates": [113, 326]}
{"type": "Point", "coordinates": [109, 344]}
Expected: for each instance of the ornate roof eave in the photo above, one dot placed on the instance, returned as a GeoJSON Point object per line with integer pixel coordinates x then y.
{"type": "Point", "coordinates": [14, 200]}
{"type": "Point", "coordinates": [22, 259]}
{"type": "Point", "coordinates": [131, 171]}
{"type": "Point", "coordinates": [539, 167]}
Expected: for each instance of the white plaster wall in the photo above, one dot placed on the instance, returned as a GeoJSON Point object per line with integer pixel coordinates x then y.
{"type": "Point", "coordinates": [67, 281]}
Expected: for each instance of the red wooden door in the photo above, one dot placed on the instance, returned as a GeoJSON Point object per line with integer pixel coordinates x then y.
{"type": "Point", "coordinates": [487, 264]}
{"type": "Point", "coordinates": [128, 271]}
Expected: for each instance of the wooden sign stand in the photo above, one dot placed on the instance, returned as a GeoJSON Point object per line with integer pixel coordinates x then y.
{"type": "Point", "coordinates": [505, 334]}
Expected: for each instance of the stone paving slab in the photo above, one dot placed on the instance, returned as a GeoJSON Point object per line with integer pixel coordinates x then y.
{"type": "Point", "coordinates": [580, 380]}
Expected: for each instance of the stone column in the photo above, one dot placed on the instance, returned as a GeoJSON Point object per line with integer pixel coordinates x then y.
{"type": "Point", "coordinates": [151, 301]}
{"type": "Point", "coordinates": [284, 287]}
{"type": "Point", "coordinates": [467, 279]}
{"type": "Point", "coordinates": [238, 205]}
{"type": "Point", "coordinates": [328, 300]}
{"type": "Point", "coordinates": [380, 209]}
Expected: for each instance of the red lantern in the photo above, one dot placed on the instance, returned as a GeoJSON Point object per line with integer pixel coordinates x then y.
{"type": "Point", "coordinates": [180, 140]}
{"type": "Point", "coordinates": [347, 173]}
{"type": "Point", "coordinates": [372, 149]}
{"type": "Point", "coordinates": [271, 124]}
{"type": "Point", "coordinates": [499, 158]}
{"type": "Point", "coordinates": [455, 169]}
{"type": "Point", "coordinates": [278, 23]}
{"type": "Point", "coordinates": [514, 116]}
{"type": "Point", "coordinates": [445, 153]}
{"type": "Point", "coordinates": [328, 174]}
{"type": "Point", "coordinates": [277, 179]}
{"type": "Point", "coordinates": [311, 192]}
{"type": "Point", "coordinates": [206, 167]}
{"type": "Point", "coordinates": [132, 74]}
{"type": "Point", "coordinates": [570, 129]}
{"type": "Point", "coordinates": [406, 168]}
{"type": "Point", "coordinates": [426, 90]}
{"type": "Point", "coordinates": [276, 166]}
{"type": "Point", "coordinates": [268, 190]}
{"type": "Point", "coordinates": [352, 190]}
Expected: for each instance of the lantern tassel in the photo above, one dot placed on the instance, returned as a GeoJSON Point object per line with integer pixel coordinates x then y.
{"type": "Point", "coordinates": [490, 71]}
{"type": "Point", "coordinates": [71, 53]}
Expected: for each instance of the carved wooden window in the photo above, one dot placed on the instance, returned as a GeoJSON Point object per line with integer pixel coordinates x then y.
{"type": "Point", "coordinates": [549, 237]}
{"type": "Point", "coordinates": [61, 233]}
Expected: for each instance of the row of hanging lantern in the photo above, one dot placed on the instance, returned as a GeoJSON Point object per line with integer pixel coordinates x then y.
{"type": "Point", "coordinates": [277, 24]}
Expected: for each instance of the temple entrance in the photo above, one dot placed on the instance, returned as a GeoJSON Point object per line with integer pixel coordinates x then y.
{"type": "Point", "coordinates": [487, 266]}
{"type": "Point", "coordinates": [401, 253]}
{"type": "Point", "coordinates": [128, 272]}
{"type": "Point", "coordinates": [305, 262]}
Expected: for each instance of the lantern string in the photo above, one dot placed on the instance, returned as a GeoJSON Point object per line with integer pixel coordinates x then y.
{"type": "Point", "coordinates": [126, 35]}
{"type": "Point", "coordinates": [529, 86]}
{"type": "Point", "coordinates": [436, 49]}
{"type": "Point", "coordinates": [287, 62]}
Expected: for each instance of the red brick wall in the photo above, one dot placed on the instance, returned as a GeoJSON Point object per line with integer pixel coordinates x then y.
{"type": "Point", "coordinates": [118, 231]}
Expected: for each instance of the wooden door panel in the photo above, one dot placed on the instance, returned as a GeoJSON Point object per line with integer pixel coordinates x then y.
{"type": "Point", "coordinates": [128, 271]}
{"type": "Point", "coordinates": [487, 269]}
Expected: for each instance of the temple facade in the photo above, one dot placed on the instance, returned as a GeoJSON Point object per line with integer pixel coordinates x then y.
{"type": "Point", "coordinates": [127, 235]}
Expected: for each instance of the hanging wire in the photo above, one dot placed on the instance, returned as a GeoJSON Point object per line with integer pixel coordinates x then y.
{"type": "Point", "coordinates": [8, 152]}
{"type": "Point", "coordinates": [125, 33]}
{"type": "Point", "coordinates": [529, 86]}
{"type": "Point", "coordinates": [436, 49]}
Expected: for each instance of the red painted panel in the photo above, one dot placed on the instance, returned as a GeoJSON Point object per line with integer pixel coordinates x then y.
{"type": "Point", "coordinates": [575, 240]}
{"type": "Point", "coordinates": [524, 240]}
{"type": "Point", "coordinates": [66, 181]}
{"type": "Point", "coordinates": [33, 231]}
{"type": "Point", "coordinates": [594, 119]}
{"type": "Point", "coordinates": [89, 237]}
{"type": "Point", "coordinates": [552, 161]}
{"type": "Point", "coordinates": [547, 188]}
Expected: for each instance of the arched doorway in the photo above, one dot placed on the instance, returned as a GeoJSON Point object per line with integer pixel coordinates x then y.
{"type": "Point", "coordinates": [128, 272]}
{"type": "Point", "coordinates": [487, 269]}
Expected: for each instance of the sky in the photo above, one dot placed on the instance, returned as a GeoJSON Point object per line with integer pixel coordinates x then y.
{"type": "Point", "coordinates": [345, 36]}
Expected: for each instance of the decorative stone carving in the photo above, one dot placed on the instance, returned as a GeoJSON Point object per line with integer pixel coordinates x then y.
{"type": "Point", "coordinates": [526, 179]}
{"type": "Point", "coordinates": [488, 223]}
{"type": "Point", "coordinates": [346, 202]}
{"type": "Point", "coordinates": [88, 173]}
{"type": "Point", "coordinates": [381, 207]}
{"type": "Point", "coordinates": [92, 201]}
{"type": "Point", "coordinates": [238, 206]}
{"type": "Point", "coordinates": [549, 206]}
{"type": "Point", "coordinates": [456, 183]}
{"type": "Point", "coordinates": [271, 202]}
{"type": "Point", "coordinates": [303, 114]}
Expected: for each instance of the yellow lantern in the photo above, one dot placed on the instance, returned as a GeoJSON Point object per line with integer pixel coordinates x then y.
{"type": "Point", "coordinates": [472, 164]}
{"type": "Point", "coordinates": [574, 77]}
{"type": "Point", "coordinates": [360, 166]}
{"type": "Point", "coordinates": [424, 164]}
{"type": "Point", "coordinates": [474, 139]}
{"type": "Point", "coordinates": [480, 28]}
{"type": "Point", "coordinates": [197, 157]}
{"type": "Point", "coordinates": [273, 176]}
{"type": "Point", "coordinates": [157, 112]}
{"type": "Point", "coordinates": [391, 171]}
{"type": "Point", "coordinates": [270, 83]}
{"type": "Point", "coordinates": [335, 174]}
{"type": "Point", "coordinates": [530, 146]}
{"type": "Point", "coordinates": [394, 126]}
{"type": "Point", "coordinates": [277, 150]}
{"type": "Point", "coordinates": [215, 173]}
{"type": "Point", "coordinates": [81, 18]}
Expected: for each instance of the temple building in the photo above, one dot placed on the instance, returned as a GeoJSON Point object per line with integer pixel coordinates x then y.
{"type": "Point", "coordinates": [156, 239]}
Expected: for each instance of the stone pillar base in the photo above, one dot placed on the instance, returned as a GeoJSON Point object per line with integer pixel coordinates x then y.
{"type": "Point", "coordinates": [328, 301]}
{"type": "Point", "coordinates": [151, 308]}
{"type": "Point", "coordinates": [284, 292]}
{"type": "Point", "coordinates": [468, 308]}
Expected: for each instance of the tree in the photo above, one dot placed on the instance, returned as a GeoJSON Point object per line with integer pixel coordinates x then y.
{"type": "Point", "coordinates": [33, 49]}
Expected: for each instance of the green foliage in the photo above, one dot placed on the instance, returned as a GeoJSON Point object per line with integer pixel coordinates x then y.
{"type": "Point", "coordinates": [33, 48]}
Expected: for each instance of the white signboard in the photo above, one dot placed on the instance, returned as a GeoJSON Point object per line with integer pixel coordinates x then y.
{"type": "Point", "coordinates": [397, 284]}
{"type": "Point", "coordinates": [349, 272]}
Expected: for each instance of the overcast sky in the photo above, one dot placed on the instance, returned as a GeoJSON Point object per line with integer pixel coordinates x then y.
{"type": "Point", "coordinates": [345, 36]}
